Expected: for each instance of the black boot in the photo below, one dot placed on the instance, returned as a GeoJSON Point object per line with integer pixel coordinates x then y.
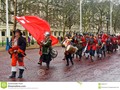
{"type": "Point", "coordinates": [67, 62]}
{"type": "Point", "coordinates": [80, 56]}
{"type": "Point", "coordinates": [40, 63]}
{"type": "Point", "coordinates": [13, 75]}
{"type": "Point", "coordinates": [21, 73]}
{"type": "Point", "coordinates": [71, 61]}
{"type": "Point", "coordinates": [47, 64]}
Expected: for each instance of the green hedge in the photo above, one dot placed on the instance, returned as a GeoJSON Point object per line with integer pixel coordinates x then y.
{"type": "Point", "coordinates": [4, 43]}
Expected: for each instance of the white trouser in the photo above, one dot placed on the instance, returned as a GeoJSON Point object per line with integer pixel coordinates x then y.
{"type": "Point", "coordinates": [13, 69]}
{"type": "Point", "coordinates": [100, 55]}
{"type": "Point", "coordinates": [21, 67]}
{"type": "Point", "coordinates": [86, 54]}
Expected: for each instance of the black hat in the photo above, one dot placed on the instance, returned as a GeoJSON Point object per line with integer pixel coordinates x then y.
{"type": "Point", "coordinates": [17, 30]}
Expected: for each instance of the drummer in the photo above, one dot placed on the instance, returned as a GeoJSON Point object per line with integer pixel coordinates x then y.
{"type": "Point", "coordinates": [68, 55]}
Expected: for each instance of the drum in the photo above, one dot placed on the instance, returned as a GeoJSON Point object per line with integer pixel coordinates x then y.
{"type": "Point", "coordinates": [66, 42]}
{"type": "Point", "coordinates": [53, 53]}
{"type": "Point", "coordinates": [71, 49]}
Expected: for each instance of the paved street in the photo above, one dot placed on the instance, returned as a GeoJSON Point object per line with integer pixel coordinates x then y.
{"type": "Point", "coordinates": [107, 69]}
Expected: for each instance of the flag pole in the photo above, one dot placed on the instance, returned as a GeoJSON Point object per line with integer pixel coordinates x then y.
{"type": "Point", "coordinates": [7, 27]}
{"type": "Point", "coordinates": [81, 16]}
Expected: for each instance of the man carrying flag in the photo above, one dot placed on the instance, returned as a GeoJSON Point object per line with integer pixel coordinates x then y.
{"type": "Point", "coordinates": [45, 48]}
{"type": "Point", "coordinates": [40, 30]}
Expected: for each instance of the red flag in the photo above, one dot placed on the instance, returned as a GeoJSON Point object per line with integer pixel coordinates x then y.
{"type": "Point", "coordinates": [35, 26]}
{"type": "Point", "coordinates": [54, 40]}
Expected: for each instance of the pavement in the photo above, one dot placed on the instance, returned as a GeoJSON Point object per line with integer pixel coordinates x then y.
{"type": "Point", "coordinates": [105, 70]}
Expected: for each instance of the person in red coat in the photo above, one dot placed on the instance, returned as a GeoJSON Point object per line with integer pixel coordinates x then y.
{"type": "Point", "coordinates": [92, 46]}
{"type": "Point", "coordinates": [85, 44]}
{"type": "Point", "coordinates": [80, 46]}
{"type": "Point", "coordinates": [104, 39]}
{"type": "Point", "coordinates": [99, 46]}
{"type": "Point", "coordinates": [17, 52]}
{"type": "Point", "coordinates": [114, 41]}
{"type": "Point", "coordinates": [90, 42]}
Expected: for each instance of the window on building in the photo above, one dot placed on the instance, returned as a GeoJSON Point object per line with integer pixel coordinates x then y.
{"type": "Point", "coordinates": [29, 34]}
{"type": "Point", "coordinates": [10, 33]}
{"type": "Point", "coordinates": [55, 33]}
{"type": "Point", "coordinates": [3, 33]}
{"type": "Point", "coordinates": [59, 33]}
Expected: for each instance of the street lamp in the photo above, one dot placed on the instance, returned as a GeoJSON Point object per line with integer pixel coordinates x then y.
{"type": "Point", "coordinates": [111, 9]}
{"type": "Point", "coordinates": [81, 16]}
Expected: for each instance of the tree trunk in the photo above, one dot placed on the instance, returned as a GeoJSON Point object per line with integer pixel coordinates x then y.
{"type": "Point", "coordinates": [15, 14]}
{"type": "Point", "coordinates": [115, 27]}
{"type": "Point", "coordinates": [47, 10]}
{"type": "Point", "coordinates": [64, 30]}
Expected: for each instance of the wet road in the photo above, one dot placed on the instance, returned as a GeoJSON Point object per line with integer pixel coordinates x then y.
{"type": "Point", "coordinates": [107, 69]}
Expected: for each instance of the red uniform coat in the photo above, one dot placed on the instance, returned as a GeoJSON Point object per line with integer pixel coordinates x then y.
{"type": "Point", "coordinates": [114, 40]}
{"type": "Point", "coordinates": [91, 45]}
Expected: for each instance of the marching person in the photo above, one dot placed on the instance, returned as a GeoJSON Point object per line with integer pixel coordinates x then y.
{"type": "Point", "coordinates": [45, 48]}
{"type": "Point", "coordinates": [68, 55]}
{"type": "Point", "coordinates": [65, 43]}
{"type": "Point", "coordinates": [17, 52]}
{"type": "Point", "coordinates": [104, 39]}
{"type": "Point", "coordinates": [86, 43]}
{"type": "Point", "coordinates": [92, 46]}
{"type": "Point", "coordinates": [114, 41]}
{"type": "Point", "coordinates": [109, 44]}
{"type": "Point", "coordinates": [99, 46]}
{"type": "Point", "coordinates": [80, 46]}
